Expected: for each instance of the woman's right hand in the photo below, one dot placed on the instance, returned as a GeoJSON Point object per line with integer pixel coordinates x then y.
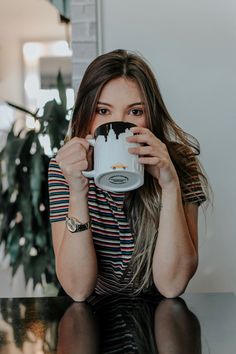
{"type": "Point", "coordinates": [73, 158]}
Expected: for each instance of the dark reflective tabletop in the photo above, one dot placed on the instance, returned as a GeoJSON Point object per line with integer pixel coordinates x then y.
{"type": "Point", "coordinates": [192, 324]}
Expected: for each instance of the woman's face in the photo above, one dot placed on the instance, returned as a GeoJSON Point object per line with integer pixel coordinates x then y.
{"type": "Point", "coordinates": [120, 100]}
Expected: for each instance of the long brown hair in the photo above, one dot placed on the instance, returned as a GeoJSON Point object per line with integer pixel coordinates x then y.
{"type": "Point", "coordinates": [142, 205]}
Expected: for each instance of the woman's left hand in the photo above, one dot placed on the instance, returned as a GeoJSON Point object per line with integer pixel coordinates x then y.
{"type": "Point", "coordinates": [154, 155]}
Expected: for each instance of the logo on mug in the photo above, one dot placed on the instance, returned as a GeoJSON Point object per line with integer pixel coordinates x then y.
{"type": "Point", "coordinates": [119, 166]}
{"type": "Point", "coordinates": [118, 179]}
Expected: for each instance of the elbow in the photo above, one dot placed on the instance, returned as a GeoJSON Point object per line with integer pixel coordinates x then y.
{"type": "Point", "coordinates": [176, 285]}
{"type": "Point", "coordinates": [75, 289]}
{"type": "Point", "coordinates": [171, 293]}
{"type": "Point", "coordinates": [76, 293]}
{"type": "Point", "coordinates": [79, 296]}
{"type": "Point", "coordinates": [170, 290]}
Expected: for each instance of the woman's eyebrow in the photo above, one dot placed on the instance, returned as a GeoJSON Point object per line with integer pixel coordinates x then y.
{"type": "Point", "coordinates": [130, 105]}
{"type": "Point", "coordinates": [104, 103]}
{"type": "Point", "coordinates": [136, 104]}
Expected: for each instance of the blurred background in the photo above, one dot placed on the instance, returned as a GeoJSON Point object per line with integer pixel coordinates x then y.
{"type": "Point", "coordinates": [192, 49]}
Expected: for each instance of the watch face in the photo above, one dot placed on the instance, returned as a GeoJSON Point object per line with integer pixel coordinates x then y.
{"type": "Point", "coordinates": [71, 224]}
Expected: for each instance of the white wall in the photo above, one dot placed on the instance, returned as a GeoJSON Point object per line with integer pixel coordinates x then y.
{"type": "Point", "coordinates": [22, 21]}
{"type": "Point", "coordinates": [191, 45]}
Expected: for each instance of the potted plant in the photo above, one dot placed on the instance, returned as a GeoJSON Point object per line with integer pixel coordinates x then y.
{"type": "Point", "coordinates": [24, 207]}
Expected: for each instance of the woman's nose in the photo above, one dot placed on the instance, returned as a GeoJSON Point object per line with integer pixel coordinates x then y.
{"type": "Point", "coordinates": [120, 118]}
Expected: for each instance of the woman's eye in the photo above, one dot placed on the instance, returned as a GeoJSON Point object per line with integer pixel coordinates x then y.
{"type": "Point", "coordinates": [102, 111]}
{"type": "Point", "coordinates": [136, 112]}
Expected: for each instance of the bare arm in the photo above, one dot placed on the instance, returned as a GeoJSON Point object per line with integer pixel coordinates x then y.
{"type": "Point", "coordinates": [175, 257]}
{"type": "Point", "coordinates": [76, 263]}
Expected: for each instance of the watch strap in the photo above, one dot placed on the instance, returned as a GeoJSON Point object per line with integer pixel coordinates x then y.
{"type": "Point", "coordinates": [74, 225]}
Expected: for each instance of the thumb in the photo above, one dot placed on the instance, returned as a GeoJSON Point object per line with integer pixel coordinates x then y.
{"type": "Point", "coordinates": [89, 136]}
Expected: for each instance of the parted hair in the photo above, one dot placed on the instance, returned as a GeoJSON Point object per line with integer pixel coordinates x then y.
{"type": "Point", "coordinates": [142, 205]}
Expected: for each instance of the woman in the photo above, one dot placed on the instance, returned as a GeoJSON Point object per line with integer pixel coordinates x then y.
{"type": "Point", "coordinates": [137, 242]}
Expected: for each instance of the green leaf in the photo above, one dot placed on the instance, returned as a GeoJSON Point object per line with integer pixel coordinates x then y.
{"type": "Point", "coordinates": [41, 240]}
{"type": "Point", "coordinates": [22, 109]}
{"type": "Point", "coordinates": [26, 211]}
{"type": "Point", "coordinates": [36, 176]}
{"type": "Point", "coordinates": [12, 245]}
{"type": "Point", "coordinates": [10, 155]}
{"type": "Point", "coordinates": [62, 90]}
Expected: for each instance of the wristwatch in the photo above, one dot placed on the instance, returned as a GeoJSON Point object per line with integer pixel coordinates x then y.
{"type": "Point", "coordinates": [74, 225]}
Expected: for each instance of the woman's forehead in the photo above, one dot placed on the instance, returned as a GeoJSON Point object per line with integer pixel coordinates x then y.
{"type": "Point", "coordinates": [121, 87]}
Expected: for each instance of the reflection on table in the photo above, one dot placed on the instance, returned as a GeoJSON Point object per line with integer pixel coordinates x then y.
{"type": "Point", "coordinates": [124, 325]}
{"type": "Point", "coordinates": [29, 325]}
{"type": "Point", "coordinates": [118, 325]}
{"type": "Point", "coordinates": [105, 325]}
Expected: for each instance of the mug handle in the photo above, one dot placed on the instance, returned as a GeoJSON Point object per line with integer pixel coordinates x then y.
{"type": "Point", "coordinates": [89, 174]}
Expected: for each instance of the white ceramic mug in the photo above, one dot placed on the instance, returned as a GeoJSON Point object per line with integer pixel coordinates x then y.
{"type": "Point", "coordinates": [115, 169]}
